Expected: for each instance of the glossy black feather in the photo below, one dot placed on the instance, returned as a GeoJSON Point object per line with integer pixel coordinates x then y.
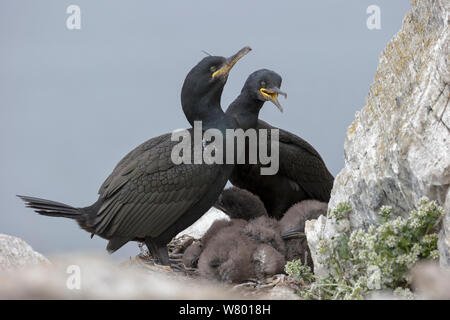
{"type": "Point", "coordinates": [148, 197]}
{"type": "Point", "coordinates": [302, 175]}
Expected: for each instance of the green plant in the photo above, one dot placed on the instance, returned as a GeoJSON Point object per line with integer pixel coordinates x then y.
{"type": "Point", "coordinates": [377, 258]}
{"type": "Point", "coordinates": [342, 211]}
{"type": "Point", "coordinates": [299, 271]}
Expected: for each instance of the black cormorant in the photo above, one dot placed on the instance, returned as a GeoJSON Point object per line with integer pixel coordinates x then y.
{"type": "Point", "coordinates": [302, 172]}
{"type": "Point", "coordinates": [149, 198]}
{"type": "Point", "coordinates": [227, 256]}
{"type": "Point", "coordinates": [265, 230]}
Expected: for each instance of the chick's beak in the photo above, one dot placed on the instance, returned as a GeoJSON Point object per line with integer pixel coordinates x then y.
{"type": "Point", "coordinates": [293, 234]}
{"type": "Point", "coordinates": [271, 94]}
{"type": "Point", "coordinates": [230, 62]}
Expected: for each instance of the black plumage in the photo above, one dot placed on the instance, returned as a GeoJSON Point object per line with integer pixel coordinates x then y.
{"type": "Point", "coordinates": [302, 172]}
{"type": "Point", "coordinates": [192, 254]}
{"type": "Point", "coordinates": [149, 198]}
{"type": "Point", "coordinates": [240, 204]}
{"type": "Point", "coordinates": [292, 227]}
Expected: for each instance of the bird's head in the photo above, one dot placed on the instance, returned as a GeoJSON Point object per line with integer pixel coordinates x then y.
{"type": "Point", "coordinates": [264, 85]}
{"type": "Point", "coordinates": [208, 77]}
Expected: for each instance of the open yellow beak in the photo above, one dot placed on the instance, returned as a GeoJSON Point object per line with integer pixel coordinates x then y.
{"type": "Point", "coordinates": [272, 95]}
{"type": "Point", "coordinates": [230, 62]}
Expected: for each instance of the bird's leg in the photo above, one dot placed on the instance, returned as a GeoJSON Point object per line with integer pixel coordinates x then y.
{"type": "Point", "coordinates": [163, 255]}
{"type": "Point", "coordinates": [158, 252]}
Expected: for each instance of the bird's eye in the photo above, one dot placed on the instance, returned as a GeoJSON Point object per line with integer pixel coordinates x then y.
{"type": "Point", "coordinates": [263, 84]}
{"type": "Point", "coordinates": [213, 69]}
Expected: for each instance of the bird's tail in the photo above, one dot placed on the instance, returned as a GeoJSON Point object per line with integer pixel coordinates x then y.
{"type": "Point", "coordinates": [52, 208]}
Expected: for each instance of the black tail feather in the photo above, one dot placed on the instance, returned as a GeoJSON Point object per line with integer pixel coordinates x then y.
{"type": "Point", "coordinates": [51, 208]}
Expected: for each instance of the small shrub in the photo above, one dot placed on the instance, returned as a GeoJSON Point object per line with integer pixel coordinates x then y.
{"type": "Point", "coordinates": [374, 259]}
{"type": "Point", "coordinates": [342, 211]}
{"type": "Point", "coordinates": [299, 271]}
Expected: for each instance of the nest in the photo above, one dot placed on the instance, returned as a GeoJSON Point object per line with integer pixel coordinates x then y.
{"type": "Point", "coordinates": [251, 288]}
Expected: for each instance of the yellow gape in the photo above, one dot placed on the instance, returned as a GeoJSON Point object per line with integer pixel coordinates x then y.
{"type": "Point", "coordinates": [271, 96]}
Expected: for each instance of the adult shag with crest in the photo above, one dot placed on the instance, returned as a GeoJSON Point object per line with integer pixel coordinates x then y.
{"type": "Point", "coordinates": [302, 172]}
{"type": "Point", "coordinates": [147, 197]}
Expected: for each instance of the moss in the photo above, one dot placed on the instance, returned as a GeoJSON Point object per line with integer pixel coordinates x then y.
{"type": "Point", "coordinates": [378, 258]}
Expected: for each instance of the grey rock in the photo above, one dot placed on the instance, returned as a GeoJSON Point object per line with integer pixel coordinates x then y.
{"type": "Point", "coordinates": [81, 276]}
{"type": "Point", "coordinates": [431, 281]}
{"type": "Point", "coordinates": [281, 293]}
{"type": "Point", "coordinates": [16, 253]}
{"type": "Point", "coordinates": [199, 228]}
{"type": "Point", "coordinates": [397, 149]}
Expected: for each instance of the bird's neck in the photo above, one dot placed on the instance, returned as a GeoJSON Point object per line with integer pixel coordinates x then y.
{"type": "Point", "coordinates": [206, 109]}
{"type": "Point", "coordinates": [245, 110]}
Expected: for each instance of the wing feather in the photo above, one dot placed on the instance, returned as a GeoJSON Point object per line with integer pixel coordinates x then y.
{"type": "Point", "coordinates": [147, 192]}
{"type": "Point", "coordinates": [301, 163]}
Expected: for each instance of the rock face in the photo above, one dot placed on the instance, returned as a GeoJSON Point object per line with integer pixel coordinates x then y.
{"type": "Point", "coordinates": [397, 149]}
{"type": "Point", "coordinates": [16, 253]}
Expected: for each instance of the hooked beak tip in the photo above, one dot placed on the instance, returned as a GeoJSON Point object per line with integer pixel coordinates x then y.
{"type": "Point", "coordinates": [272, 95]}
{"type": "Point", "coordinates": [231, 61]}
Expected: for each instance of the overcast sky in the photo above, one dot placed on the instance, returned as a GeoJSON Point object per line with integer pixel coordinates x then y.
{"type": "Point", "coordinates": [74, 102]}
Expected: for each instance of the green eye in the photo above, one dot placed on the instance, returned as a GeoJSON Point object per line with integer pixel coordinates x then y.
{"type": "Point", "coordinates": [213, 69]}
{"type": "Point", "coordinates": [263, 84]}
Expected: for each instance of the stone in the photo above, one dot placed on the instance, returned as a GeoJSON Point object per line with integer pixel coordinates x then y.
{"type": "Point", "coordinates": [82, 276]}
{"type": "Point", "coordinates": [16, 253]}
{"type": "Point", "coordinates": [314, 230]}
{"type": "Point", "coordinates": [199, 228]}
{"type": "Point", "coordinates": [397, 149]}
{"type": "Point", "coordinates": [431, 281]}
